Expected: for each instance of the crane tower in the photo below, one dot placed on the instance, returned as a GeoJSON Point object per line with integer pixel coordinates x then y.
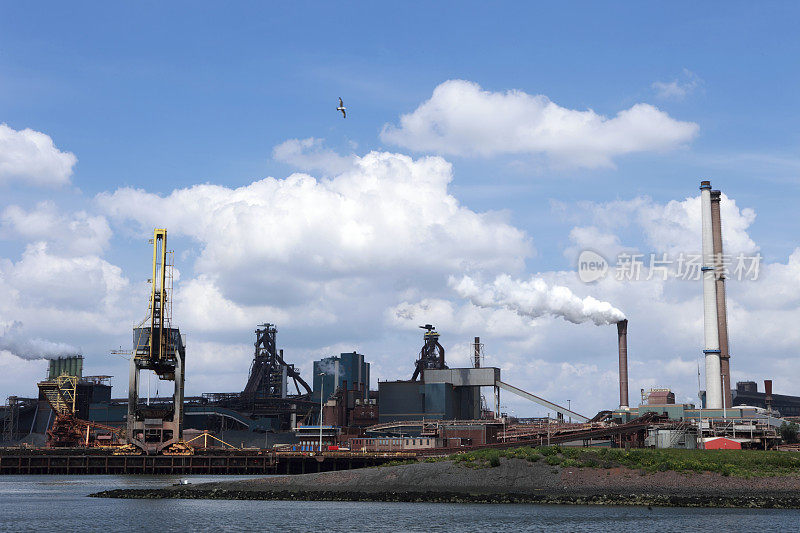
{"type": "Point", "coordinates": [157, 347]}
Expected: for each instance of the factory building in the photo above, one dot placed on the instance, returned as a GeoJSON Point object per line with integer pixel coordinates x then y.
{"type": "Point", "coordinates": [746, 393]}
{"type": "Point", "coordinates": [348, 371]}
{"type": "Point", "coordinates": [444, 394]}
{"type": "Point", "coordinates": [412, 400]}
{"type": "Point", "coordinates": [88, 390]}
{"type": "Point", "coordinates": [435, 391]}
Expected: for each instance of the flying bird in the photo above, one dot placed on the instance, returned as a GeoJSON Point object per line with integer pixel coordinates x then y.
{"type": "Point", "coordinates": [341, 108]}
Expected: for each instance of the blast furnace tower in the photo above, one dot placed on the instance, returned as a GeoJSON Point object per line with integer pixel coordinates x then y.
{"type": "Point", "coordinates": [431, 356]}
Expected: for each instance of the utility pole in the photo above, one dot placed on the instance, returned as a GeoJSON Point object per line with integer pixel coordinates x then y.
{"type": "Point", "coordinates": [321, 396]}
{"type": "Point", "coordinates": [505, 420]}
{"type": "Point", "coordinates": [724, 407]}
{"type": "Point", "coordinates": [548, 428]}
{"type": "Point", "coordinates": [700, 400]}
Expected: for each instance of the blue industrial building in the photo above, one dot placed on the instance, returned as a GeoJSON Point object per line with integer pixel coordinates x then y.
{"type": "Point", "coordinates": [416, 400]}
{"type": "Point", "coordinates": [333, 372]}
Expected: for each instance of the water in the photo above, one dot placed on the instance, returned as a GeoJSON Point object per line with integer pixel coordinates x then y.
{"type": "Point", "coordinates": [59, 503]}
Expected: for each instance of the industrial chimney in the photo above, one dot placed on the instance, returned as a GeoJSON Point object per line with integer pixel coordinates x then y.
{"type": "Point", "coordinates": [477, 353]}
{"type": "Point", "coordinates": [622, 338]}
{"type": "Point", "coordinates": [768, 394]}
{"type": "Point", "coordinates": [722, 308]}
{"type": "Point", "coordinates": [710, 318]}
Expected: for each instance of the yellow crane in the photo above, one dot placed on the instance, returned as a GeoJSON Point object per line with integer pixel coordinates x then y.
{"type": "Point", "coordinates": [157, 347]}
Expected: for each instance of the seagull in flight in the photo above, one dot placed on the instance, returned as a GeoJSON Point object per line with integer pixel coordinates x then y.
{"type": "Point", "coordinates": [341, 108]}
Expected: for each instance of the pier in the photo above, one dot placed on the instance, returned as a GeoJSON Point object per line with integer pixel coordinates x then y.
{"type": "Point", "coordinates": [20, 461]}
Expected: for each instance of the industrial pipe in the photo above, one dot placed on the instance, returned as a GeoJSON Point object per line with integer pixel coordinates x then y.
{"type": "Point", "coordinates": [710, 322]}
{"type": "Point", "coordinates": [622, 338]}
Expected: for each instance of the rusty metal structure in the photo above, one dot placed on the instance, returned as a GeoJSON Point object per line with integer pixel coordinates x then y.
{"type": "Point", "coordinates": [61, 393]}
{"type": "Point", "coordinates": [157, 347]}
{"type": "Point", "coordinates": [16, 461]}
{"type": "Point", "coordinates": [269, 373]}
{"type": "Point", "coordinates": [431, 356]}
{"type": "Point", "coordinates": [768, 393]}
{"type": "Point", "coordinates": [68, 429]}
{"type": "Point", "coordinates": [477, 353]}
{"type": "Point", "coordinates": [10, 419]}
{"type": "Point", "coordinates": [267, 400]}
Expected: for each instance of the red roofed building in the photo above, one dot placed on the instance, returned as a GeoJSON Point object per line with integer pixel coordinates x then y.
{"type": "Point", "coordinates": [721, 443]}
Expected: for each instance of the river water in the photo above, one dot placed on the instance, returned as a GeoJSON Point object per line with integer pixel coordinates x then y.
{"type": "Point", "coordinates": [59, 503]}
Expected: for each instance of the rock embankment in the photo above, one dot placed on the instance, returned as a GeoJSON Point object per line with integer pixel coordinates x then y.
{"type": "Point", "coordinates": [514, 481]}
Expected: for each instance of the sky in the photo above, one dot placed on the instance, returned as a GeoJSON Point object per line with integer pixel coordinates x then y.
{"type": "Point", "coordinates": [485, 147]}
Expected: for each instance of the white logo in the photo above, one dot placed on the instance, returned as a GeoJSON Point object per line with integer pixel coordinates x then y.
{"type": "Point", "coordinates": [591, 266]}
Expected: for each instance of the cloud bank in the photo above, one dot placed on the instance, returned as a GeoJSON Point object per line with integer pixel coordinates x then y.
{"type": "Point", "coordinates": [462, 119]}
{"type": "Point", "coordinates": [387, 223]}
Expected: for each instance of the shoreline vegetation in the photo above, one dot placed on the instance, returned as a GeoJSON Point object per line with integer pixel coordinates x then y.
{"type": "Point", "coordinates": [737, 463]}
{"type": "Point", "coordinates": [546, 475]}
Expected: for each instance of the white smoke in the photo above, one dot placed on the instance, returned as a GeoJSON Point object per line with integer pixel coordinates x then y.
{"type": "Point", "coordinates": [13, 340]}
{"type": "Point", "coordinates": [327, 366]}
{"type": "Point", "coordinates": [536, 298]}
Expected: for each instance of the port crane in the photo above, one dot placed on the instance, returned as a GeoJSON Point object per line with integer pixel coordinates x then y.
{"type": "Point", "coordinates": [160, 348]}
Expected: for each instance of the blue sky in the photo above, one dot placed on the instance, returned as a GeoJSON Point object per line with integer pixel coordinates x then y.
{"type": "Point", "coordinates": [161, 98]}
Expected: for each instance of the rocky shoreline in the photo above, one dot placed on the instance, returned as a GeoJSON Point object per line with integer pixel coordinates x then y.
{"type": "Point", "coordinates": [655, 500]}
{"type": "Point", "coordinates": [514, 481]}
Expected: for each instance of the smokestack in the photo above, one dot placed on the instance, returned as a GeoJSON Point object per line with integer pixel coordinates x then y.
{"type": "Point", "coordinates": [768, 393]}
{"type": "Point", "coordinates": [477, 353]}
{"type": "Point", "coordinates": [622, 338]}
{"type": "Point", "coordinates": [710, 320]}
{"type": "Point", "coordinates": [722, 308]}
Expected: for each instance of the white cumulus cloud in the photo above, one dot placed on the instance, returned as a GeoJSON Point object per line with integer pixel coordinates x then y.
{"type": "Point", "coordinates": [327, 243]}
{"type": "Point", "coordinates": [77, 232]}
{"type": "Point", "coordinates": [672, 227]}
{"type": "Point", "coordinates": [82, 283]}
{"type": "Point", "coordinates": [32, 157]}
{"type": "Point", "coordinates": [462, 119]}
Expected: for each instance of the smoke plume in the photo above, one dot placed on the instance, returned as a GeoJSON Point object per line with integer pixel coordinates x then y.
{"type": "Point", "coordinates": [536, 298]}
{"type": "Point", "coordinates": [327, 366]}
{"type": "Point", "coordinates": [13, 340]}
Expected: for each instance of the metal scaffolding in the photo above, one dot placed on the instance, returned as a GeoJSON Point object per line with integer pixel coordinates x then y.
{"type": "Point", "coordinates": [10, 418]}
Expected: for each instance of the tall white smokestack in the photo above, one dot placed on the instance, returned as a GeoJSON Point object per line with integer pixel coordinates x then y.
{"type": "Point", "coordinates": [710, 318]}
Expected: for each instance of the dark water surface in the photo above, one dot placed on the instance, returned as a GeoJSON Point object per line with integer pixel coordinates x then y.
{"type": "Point", "coordinates": [59, 503]}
